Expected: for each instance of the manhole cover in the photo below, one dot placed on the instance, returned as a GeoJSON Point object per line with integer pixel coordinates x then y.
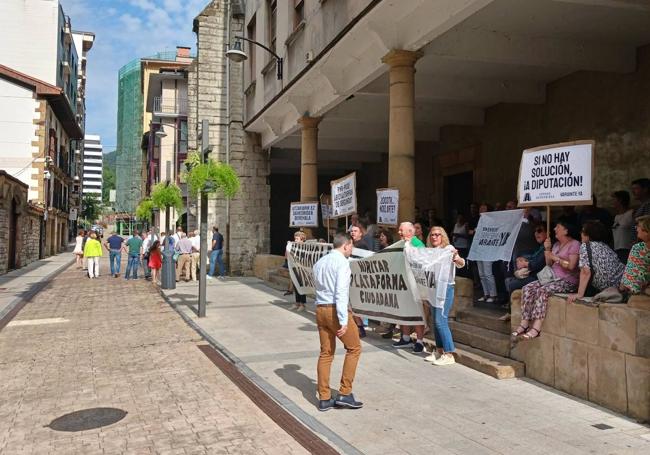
{"type": "Point", "coordinates": [87, 419]}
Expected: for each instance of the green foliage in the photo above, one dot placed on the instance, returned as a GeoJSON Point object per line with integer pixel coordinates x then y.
{"type": "Point", "coordinates": [108, 183]}
{"type": "Point", "coordinates": [221, 177]}
{"type": "Point", "coordinates": [91, 207]}
{"type": "Point", "coordinates": [144, 211]}
{"type": "Point", "coordinates": [164, 195]}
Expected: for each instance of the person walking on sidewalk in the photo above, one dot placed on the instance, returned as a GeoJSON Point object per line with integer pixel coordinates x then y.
{"type": "Point", "coordinates": [113, 245]}
{"type": "Point", "coordinates": [134, 248]}
{"type": "Point", "coordinates": [196, 253]}
{"type": "Point", "coordinates": [332, 281]}
{"type": "Point", "coordinates": [78, 249]}
{"type": "Point", "coordinates": [216, 256]}
{"type": "Point", "coordinates": [155, 261]}
{"type": "Point", "coordinates": [93, 251]}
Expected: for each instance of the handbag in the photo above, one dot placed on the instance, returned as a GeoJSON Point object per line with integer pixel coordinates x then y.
{"type": "Point", "coordinates": [175, 257]}
{"type": "Point", "coordinates": [546, 275]}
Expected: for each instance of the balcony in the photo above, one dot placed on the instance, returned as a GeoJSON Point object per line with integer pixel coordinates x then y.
{"type": "Point", "coordinates": [169, 107]}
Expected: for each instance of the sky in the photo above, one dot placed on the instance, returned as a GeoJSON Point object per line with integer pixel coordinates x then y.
{"type": "Point", "coordinates": [125, 30]}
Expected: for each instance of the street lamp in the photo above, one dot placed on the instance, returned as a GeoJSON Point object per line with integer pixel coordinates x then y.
{"type": "Point", "coordinates": [236, 54]}
{"type": "Point", "coordinates": [161, 132]}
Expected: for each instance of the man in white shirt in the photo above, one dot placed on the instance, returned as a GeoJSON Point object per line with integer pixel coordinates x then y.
{"type": "Point", "coordinates": [332, 281]}
{"type": "Point", "coordinates": [146, 245]}
{"type": "Point", "coordinates": [196, 253]}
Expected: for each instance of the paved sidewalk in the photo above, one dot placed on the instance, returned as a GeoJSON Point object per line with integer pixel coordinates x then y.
{"type": "Point", "coordinates": [410, 406]}
{"type": "Point", "coordinates": [107, 342]}
{"type": "Point", "coordinates": [20, 284]}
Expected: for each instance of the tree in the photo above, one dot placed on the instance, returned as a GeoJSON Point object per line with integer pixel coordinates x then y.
{"type": "Point", "coordinates": [91, 207]}
{"type": "Point", "coordinates": [166, 195]}
{"type": "Point", "coordinates": [108, 183]}
{"type": "Point", "coordinates": [144, 211]}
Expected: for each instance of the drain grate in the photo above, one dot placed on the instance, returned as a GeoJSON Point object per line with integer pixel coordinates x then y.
{"type": "Point", "coordinates": [87, 419]}
{"type": "Point", "coordinates": [602, 426]}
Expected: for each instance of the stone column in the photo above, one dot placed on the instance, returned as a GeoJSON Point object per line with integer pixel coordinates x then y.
{"type": "Point", "coordinates": [309, 161]}
{"type": "Point", "coordinates": [401, 131]}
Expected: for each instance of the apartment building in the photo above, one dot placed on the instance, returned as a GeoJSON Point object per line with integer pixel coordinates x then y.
{"type": "Point", "coordinates": [135, 120]}
{"type": "Point", "coordinates": [92, 166]}
{"type": "Point", "coordinates": [43, 113]}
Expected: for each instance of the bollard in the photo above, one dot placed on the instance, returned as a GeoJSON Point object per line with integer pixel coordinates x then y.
{"type": "Point", "coordinates": [168, 272]}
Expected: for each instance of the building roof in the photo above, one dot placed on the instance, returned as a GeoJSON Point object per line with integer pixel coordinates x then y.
{"type": "Point", "coordinates": [55, 96]}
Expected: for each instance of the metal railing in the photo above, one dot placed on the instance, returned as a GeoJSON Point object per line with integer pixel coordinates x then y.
{"type": "Point", "coordinates": [167, 105]}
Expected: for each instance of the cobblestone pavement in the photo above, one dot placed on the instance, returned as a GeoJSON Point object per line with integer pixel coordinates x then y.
{"type": "Point", "coordinates": [108, 342]}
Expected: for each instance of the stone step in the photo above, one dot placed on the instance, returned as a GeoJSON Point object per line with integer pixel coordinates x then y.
{"type": "Point", "coordinates": [484, 339]}
{"type": "Point", "coordinates": [278, 281]}
{"type": "Point", "coordinates": [491, 364]}
{"type": "Point", "coordinates": [487, 319]}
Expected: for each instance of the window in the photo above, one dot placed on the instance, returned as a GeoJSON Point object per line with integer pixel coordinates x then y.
{"type": "Point", "coordinates": [298, 12]}
{"type": "Point", "coordinates": [182, 145]}
{"type": "Point", "coordinates": [250, 31]}
{"type": "Point", "coordinates": [272, 18]}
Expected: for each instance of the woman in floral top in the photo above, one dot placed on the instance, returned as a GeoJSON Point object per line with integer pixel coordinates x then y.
{"type": "Point", "coordinates": [603, 268]}
{"type": "Point", "coordinates": [637, 271]}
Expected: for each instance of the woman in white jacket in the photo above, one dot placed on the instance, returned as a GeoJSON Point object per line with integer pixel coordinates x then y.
{"type": "Point", "coordinates": [445, 348]}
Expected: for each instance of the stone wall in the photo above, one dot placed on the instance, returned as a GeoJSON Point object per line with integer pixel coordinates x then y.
{"type": "Point", "coordinates": [245, 223]}
{"type": "Point", "coordinates": [13, 196]}
{"type": "Point", "coordinates": [611, 108]}
{"type": "Point", "coordinates": [597, 353]}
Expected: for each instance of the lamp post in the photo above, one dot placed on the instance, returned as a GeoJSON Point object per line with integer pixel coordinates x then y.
{"type": "Point", "coordinates": [236, 54]}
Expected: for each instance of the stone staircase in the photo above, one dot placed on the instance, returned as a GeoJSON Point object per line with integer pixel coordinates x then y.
{"type": "Point", "coordinates": [278, 278]}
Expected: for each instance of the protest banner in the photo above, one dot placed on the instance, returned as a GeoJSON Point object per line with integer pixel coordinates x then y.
{"type": "Point", "coordinates": [558, 174]}
{"type": "Point", "coordinates": [495, 236]}
{"type": "Point", "coordinates": [431, 269]}
{"type": "Point", "coordinates": [301, 258]}
{"type": "Point", "coordinates": [303, 214]}
{"type": "Point", "coordinates": [387, 206]}
{"type": "Point", "coordinates": [383, 289]}
{"type": "Point", "coordinates": [344, 196]}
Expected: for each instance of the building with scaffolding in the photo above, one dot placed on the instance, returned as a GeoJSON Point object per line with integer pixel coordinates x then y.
{"type": "Point", "coordinates": [128, 178]}
{"type": "Point", "coordinates": [133, 119]}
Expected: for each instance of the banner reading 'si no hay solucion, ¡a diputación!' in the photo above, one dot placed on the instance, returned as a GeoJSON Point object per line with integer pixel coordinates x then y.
{"type": "Point", "coordinates": [558, 174]}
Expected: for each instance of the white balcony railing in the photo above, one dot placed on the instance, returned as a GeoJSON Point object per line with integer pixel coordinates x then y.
{"type": "Point", "coordinates": [169, 106]}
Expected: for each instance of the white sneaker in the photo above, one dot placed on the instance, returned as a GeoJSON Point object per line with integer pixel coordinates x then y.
{"type": "Point", "coordinates": [433, 357]}
{"type": "Point", "coordinates": [445, 359]}
{"type": "Point", "coordinates": [209, 277]}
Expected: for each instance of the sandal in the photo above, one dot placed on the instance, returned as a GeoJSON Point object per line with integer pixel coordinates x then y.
{"type": "Point", "coordinates": [528, 336]}
{"type": "Point", "coordinates": [520, 331]}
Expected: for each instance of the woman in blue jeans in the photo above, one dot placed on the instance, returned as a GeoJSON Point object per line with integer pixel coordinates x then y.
{"type": "Point", "coordinates": [444, 354]}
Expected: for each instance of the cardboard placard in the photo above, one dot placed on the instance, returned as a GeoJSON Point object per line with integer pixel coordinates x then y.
{"type": "Point", "coordinates": [387, 207]}
{"type": "Point", "coordinates": [303, 214]}
{"type": "Point", "coordinates": [558, 174]}
{"type": "Point", "coordinates": [344, 196]}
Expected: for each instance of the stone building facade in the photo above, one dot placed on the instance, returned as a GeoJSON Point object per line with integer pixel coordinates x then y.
{"type": "Point", "coordinates": [20, 224]}
{"type": "Point", "coordinates": [215, 93]}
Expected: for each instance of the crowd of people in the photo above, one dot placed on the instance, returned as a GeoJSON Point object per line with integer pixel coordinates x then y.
{"type": "Point", "coordinates": [146, 250]}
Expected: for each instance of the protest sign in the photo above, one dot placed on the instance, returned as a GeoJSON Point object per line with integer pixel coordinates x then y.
{"type": "Point", "coordinates": [558, 174]}
{"type": "Point", "coordinates": [303, 214]}
{"type": "Point", "coordinates": [301, 258]}
{"type": "Point", "coordinates": [382, 288]}
{"type": "Point", "coordinates": [326, 211]}
{"type": "Point", "coordinates": [431, 269]}
{"type": "Point", "coordinates": [344, 196]}
{"type": "Point", "coordinates": [387, 206]}
{"type": "Point", "coordinates": [496, 235]}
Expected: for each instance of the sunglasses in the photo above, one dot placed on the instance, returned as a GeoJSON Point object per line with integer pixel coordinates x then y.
{"type": "Point", "coordinates": [435, 235]}
{"type": "Point", "coordinates": [539, 230]}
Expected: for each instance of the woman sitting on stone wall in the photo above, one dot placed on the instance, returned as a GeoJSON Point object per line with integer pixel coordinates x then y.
{"type": "Point", "coordinates": [599, 265]}
{"type": "Point", "coordinates": [637, 271]}
{"type": "Point", "coordinates": [562, 258]}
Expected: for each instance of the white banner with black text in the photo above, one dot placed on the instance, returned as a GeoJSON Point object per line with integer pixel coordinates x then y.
{"type": "Point", "coordinates": [496, 235]}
